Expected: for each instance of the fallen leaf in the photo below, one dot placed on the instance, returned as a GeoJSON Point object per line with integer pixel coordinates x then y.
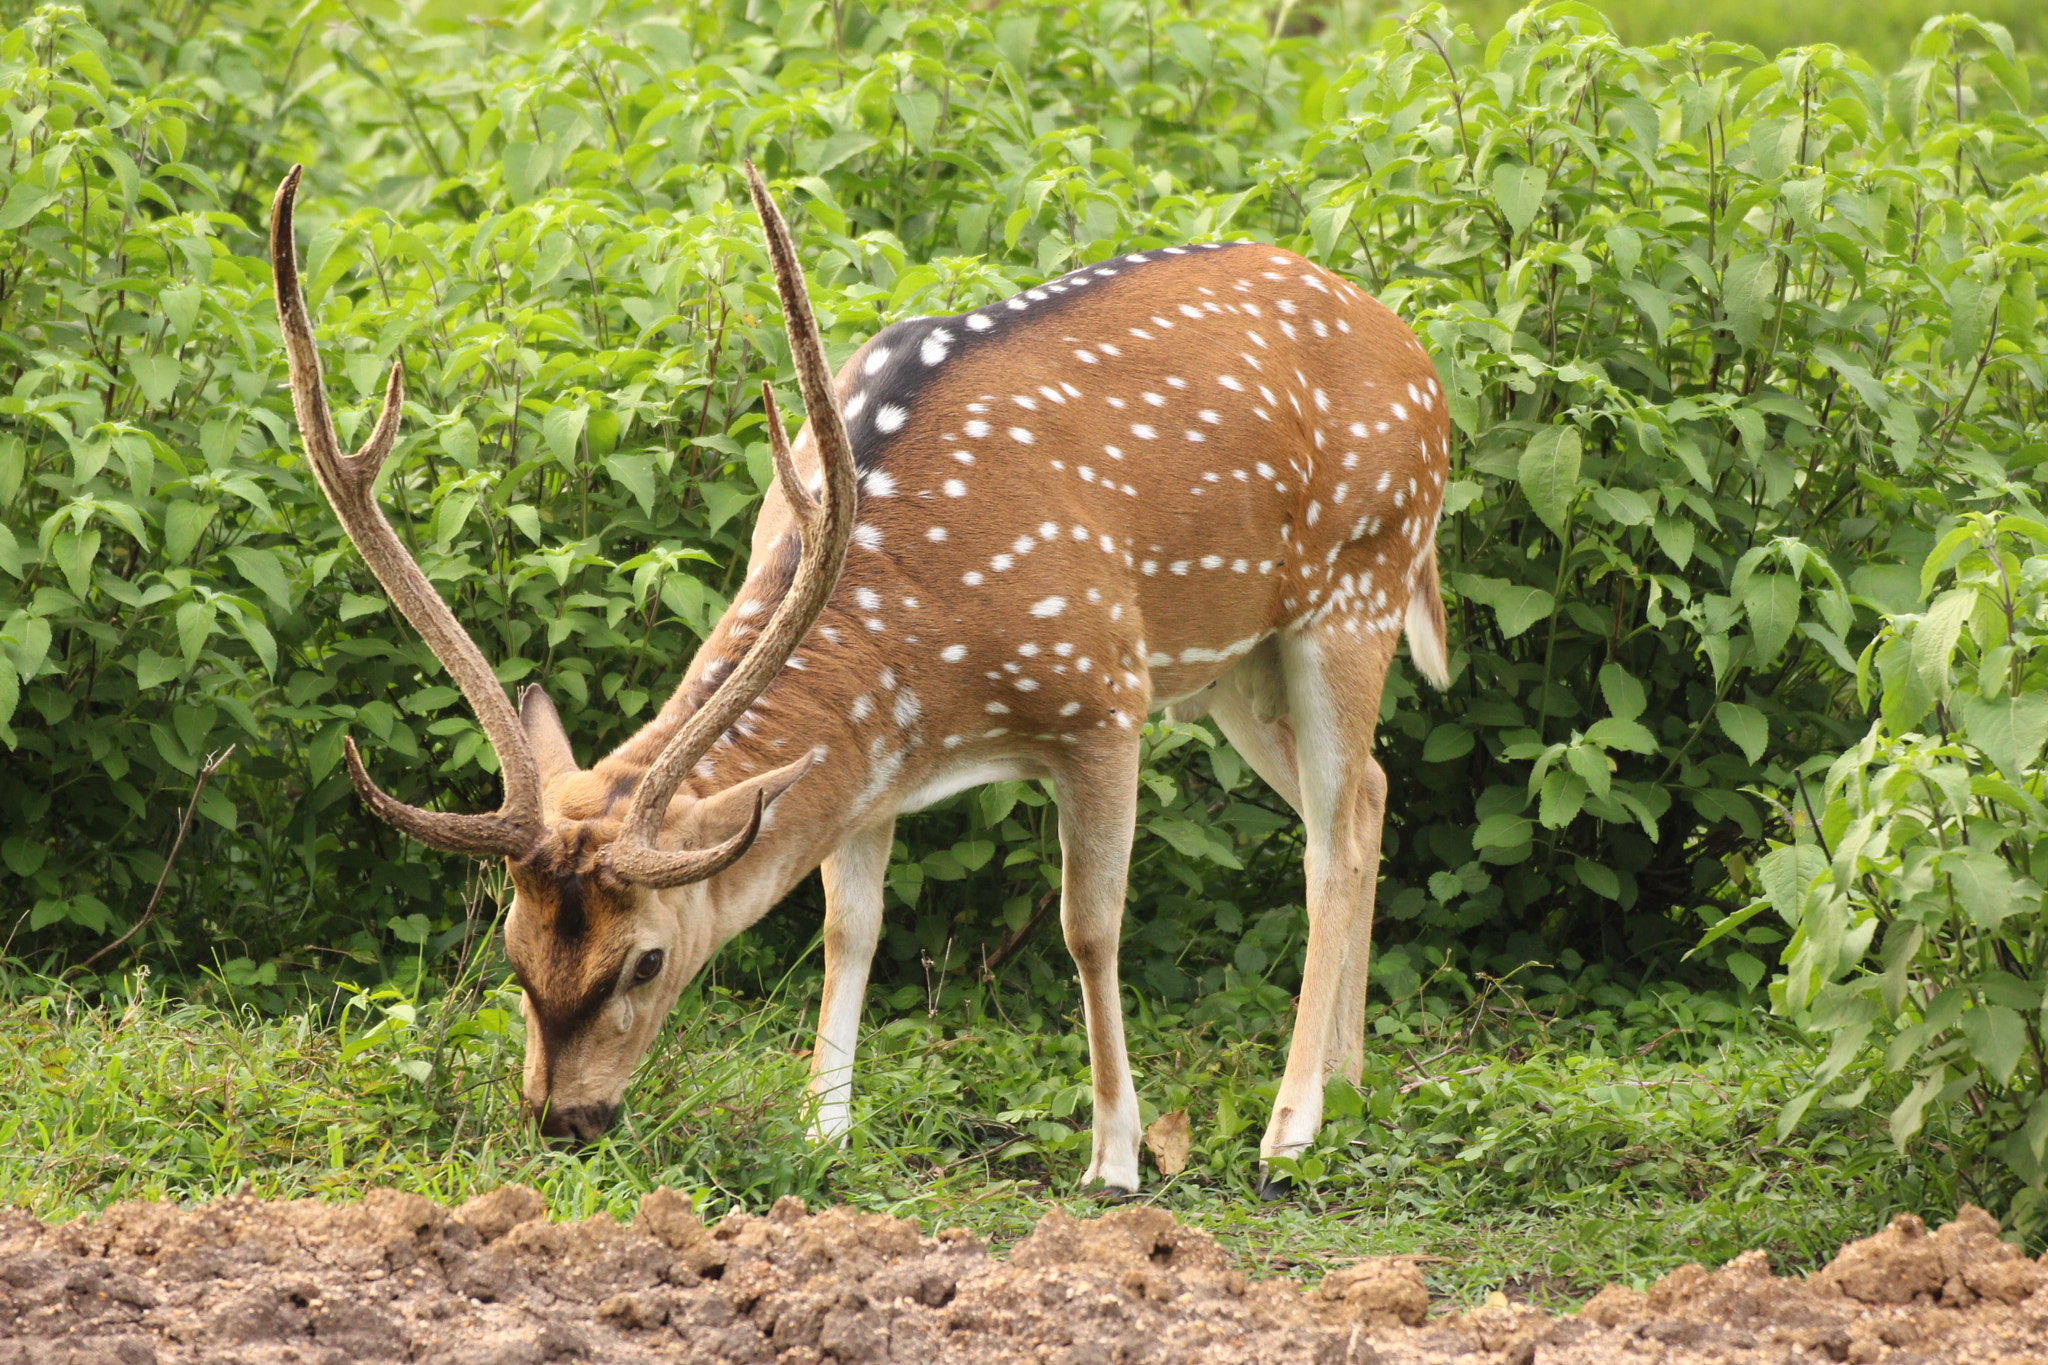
{"type": "Point", "coordinates": [1167, 1140]}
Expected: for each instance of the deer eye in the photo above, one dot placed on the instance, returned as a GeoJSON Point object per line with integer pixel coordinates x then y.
{"type": "Point", "coordinates": [648, 967]}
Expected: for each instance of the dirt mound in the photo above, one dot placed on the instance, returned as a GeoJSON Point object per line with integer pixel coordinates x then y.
{"type": "Point", "coordinates": [398, 1277]}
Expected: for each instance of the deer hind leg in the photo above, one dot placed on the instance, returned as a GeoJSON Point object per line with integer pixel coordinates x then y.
{"type": "Point", "coordinates": [1249, 704]}
{"type": "Point", "coordinates": [853, 926]}
{"type": "Point", "coordinates": [1098, 800]}
{"type": "Point", "coordinates": [1333, 697]}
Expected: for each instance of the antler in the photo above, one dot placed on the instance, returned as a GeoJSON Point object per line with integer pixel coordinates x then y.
{"type": "Point", "coordinates": [348, 481]}
{"type": "Point", "coordinates": [826, 529]}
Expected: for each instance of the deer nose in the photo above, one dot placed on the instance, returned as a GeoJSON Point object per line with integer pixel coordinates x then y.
{"type": "Point", "coordinates": [581, 1124]}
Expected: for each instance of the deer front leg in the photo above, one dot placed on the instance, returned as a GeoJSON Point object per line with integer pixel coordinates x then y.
{"type": "Point", "coordinates": [1098, 799]}
{"type": "Point", "coordinates": [853, 877]}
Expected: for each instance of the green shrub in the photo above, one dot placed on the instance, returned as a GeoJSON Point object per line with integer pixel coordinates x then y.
{"type": "Point", "coordinates": [1707, 319]}
{"type": "Point", "coordinates": [1915, 900]}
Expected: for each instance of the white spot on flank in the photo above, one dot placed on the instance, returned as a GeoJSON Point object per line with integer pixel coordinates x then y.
{"type": "Point", "coordinates": [935, 347]}
{"type": "Point", "coordinates": [953, 654]}
{"type": "Point", "coordinates": [877, 358]}
{"type": "Point", "coordinates": [1400, 413]}
{"type": "Point", "coordinates": [935, 534]}
{"type": "Point", "coordinates": [978, 323]}
{"type": "Point", "coordinates": [971, 579]}
{"type": "Point", "coordinates": [964, 456]}
{"type": "Point", "coordinates": [1085, 357]}
{"type": "Point", "coordinates": [863, 707]}
{"type": "Point", "coordinates": [977, 429]}
{"type": "Point", "coordinates": [889, 417]}
{"type": "Point", "coordinates": [867, 537]}
{"type": "Point", "coordinates": [1021, 435]}
{"type": "Point", "coordinates": [955, 489]}
{"type": "Point", "coordinates": [1049, 606]}
{"type": "Point", "coordinates": [1143, 432]}
{"type": "Point", "coordinates": [907, 708]}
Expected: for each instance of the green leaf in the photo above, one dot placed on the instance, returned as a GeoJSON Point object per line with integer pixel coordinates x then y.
{"type": "Point", "coordinates": [1746, 726]}
{"type": "Point", "coordinates": [23, 202]}
{"type": "Point", "coordinates": [1549, 474]}
{"type": "Point", "coordinates": [1934, 639]}
{"type": "Point", "coordinates": [24, 856]}
{"type": "Point", "coordinates": [1786, 873]}
{"type": "Point", "coordinates": [1625, 697]}
{"type": "Point", "coordinates": [262, 568]}
{"type": "Point", "coordinates": [1598, 878]}
{"type": "Point", "coordinates": [1745, 968]}
{"type": "Point", "coordinates": [2010, 729]}
{"type": "Point", "coordinates": [1984, 884]}
{"type": "Point", "coordinates": [1997, 1037]}
{"type": "Point", "coordinates": [157, 376]}
{"type": "Point", "coordinates": [1193, 840]}
{"type": "Point", "coordinates": [1676, 539]}
{"type": "Point", "coordinates": [1564, 795]}
{"type": "Point", "coordinates": [184, 523]}
{"type": "Point", "coordinates": [1612, 732]}
{"type": "Point", "coordinates": [1746, 288]}
{"type": "Point", "coordinates": [636, 472]}
{"type": "Point", "coordinates": [1447, 741]}
{"type": "Point", "coordinates": [1973, 303]}
{"type": "Point", "coordinates": [919, 110]}
{"type": "Point", "coordinates": [1503, 831]}
{"type": "Point", "coordinates": [1516, 608]}
{"type": "Point", "coordinates": [1519, 190]}
{"type": "Point", "coordinates": [563, 428]}
{"type": "Point", "coordinates": [1771, 601]}
{"type": "Point", "coordinates": [195, 624]}
{"type": "Point", "coordinates": [725, 501]}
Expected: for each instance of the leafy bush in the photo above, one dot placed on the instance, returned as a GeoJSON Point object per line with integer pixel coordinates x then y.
{"type": "Point", "coordinates": [1705, 318]}
{"type": "Point", "coordinates": [1916, 898]}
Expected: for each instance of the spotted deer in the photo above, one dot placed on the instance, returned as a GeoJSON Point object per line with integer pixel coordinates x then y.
{"type": "Point", "coordinates": [1204, 477]}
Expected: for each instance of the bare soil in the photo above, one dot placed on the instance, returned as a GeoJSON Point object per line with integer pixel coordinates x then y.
{"type": "Point", "coordinates": [397, 1277]}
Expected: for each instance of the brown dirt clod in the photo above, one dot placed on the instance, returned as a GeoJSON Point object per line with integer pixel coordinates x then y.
{"type": "Point", "coordinates": [399, 1278]}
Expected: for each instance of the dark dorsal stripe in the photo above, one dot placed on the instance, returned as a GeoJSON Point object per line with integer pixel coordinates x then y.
{"type": "Point", "coordinates": [905, 356]}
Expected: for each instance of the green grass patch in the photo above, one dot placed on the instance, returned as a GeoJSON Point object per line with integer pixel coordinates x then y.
{"type": "Point", "coordinates": [1543, 1153]}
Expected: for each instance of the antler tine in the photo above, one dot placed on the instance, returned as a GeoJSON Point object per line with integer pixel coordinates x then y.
{"type": "Point", "coordinates": [349, 483]}
{"type": "Point", "coordinates": [826, 530]}
{"type": "Point", "coordinates": [800, 499]}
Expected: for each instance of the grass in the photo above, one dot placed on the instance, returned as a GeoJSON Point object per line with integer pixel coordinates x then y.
{"type": "Point", "coordinates": [1541, 1154]}
{"type": "Point", "coordinates": [1881, 30]}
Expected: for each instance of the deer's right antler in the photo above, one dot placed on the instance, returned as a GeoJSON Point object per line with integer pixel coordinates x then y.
{"type": "Point", "coordinates": [348, 481]}
{"type": "Point", "coordinates": [825, 525]}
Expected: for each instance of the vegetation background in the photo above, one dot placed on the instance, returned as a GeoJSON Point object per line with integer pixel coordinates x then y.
{"type": "Point", "coordinates": [1744, 353]}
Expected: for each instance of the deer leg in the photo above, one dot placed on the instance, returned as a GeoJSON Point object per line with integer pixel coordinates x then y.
{"type": "Point", "coordinates": [853, 926]}
{"type": "Point", "coordinates": [1333, 693]}
{"type": "Point", "coordinates": [1347, 1041]}
{"type": "Point", "coordinates": [1098, 799]}
{"type": "Point", "coordinates": [1268, 746]}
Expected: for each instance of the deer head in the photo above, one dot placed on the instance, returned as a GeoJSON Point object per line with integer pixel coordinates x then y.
{"type": "Point", "coordinates": [608, 919]}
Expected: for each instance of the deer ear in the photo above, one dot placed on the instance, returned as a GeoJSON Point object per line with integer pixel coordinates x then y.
{"type": "Point", "coordinates": [725, 813]}
{"type": "Point", "coordinates": [544, 732]}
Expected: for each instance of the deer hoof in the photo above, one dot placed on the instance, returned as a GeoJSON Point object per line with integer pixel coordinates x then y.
{"type": "Point", "coordinates": [1272, 1189]}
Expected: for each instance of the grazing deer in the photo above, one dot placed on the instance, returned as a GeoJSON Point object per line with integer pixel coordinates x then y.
{"type": "Point", "coordinates": [1205, 476]}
